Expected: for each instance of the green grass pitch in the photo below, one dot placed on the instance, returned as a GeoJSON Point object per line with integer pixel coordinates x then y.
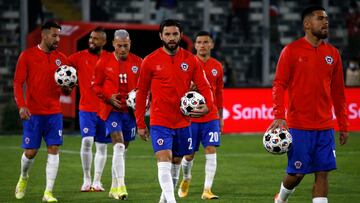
{"type": "Point", "coordinates": [246, 173]}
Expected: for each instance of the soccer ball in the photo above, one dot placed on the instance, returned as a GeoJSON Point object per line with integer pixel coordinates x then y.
{"type": "Point", "coordinates": [277, 142]}
{"type": "Point", "coordinates": [66, 76]}
{"type": "Point", "coordinates": [131, 100]}
{"type": "Point", "coordinates": [190, 101]}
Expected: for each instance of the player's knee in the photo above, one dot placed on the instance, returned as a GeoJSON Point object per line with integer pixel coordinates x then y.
{"type": "Point", "coordinates": [30, 153]}
{"type": "Point", "coordinates": [164, 156]}
{"type": "Point", "coordinates": [189, 157]}
{"type": "Point", "coordinates": [88, 142]}
{"type": "Point", "coordinates": [210, 150]}
{"type": "Point", "coordinates": [53, 149]}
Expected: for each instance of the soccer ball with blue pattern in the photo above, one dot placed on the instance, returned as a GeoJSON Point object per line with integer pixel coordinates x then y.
{"type": "Point", "coordinates": [190, 101]}
{"type": "Point", "coordinates": [278, 141]}
{"type": "Point", "coordinates": [66, 76]}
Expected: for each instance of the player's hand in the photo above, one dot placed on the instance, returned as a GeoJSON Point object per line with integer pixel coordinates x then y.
{"type": "Point", "coordinates": [67, 89]}
{"type": "Point", "coordinates": [113, 100]}
{"type": "Point", "coordinates": [144, 133]}
{"type": "Point", "coordinates": [201, 110]}
{"type": "Point", "coordinates": [193, 86]}
{"type": "Point", "coordinates": [24, 113]}
{"type": "Point", "coordinates": [277, 123]}
{"type": "Point", "coordinates": [343, 137]}
{"type": "Point", "coordinates": [221, 120]}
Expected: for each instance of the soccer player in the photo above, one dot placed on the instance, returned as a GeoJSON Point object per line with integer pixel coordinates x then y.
{"type": "Point", "coordinates": [40, 111]}
{"type": "Point", "coordinates": [92, 128]}
{"type": "Point", "coordinates": [115, 76]}
{"type": "Point", "coordinates": [167, 73]}
{"type": "Point", "coordinates": [206, 129]}
{"type": "Point", "coordinates": [310, 69]}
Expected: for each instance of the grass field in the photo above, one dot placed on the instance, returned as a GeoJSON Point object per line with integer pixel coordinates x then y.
{"type": "Point", "coordinates": [246, 173]}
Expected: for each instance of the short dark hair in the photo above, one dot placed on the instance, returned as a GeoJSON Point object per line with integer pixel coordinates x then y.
{"type": "Point", "coordinates": [170, 22]}
{"type": "Point", "coordinates": [203, 33]}
{"type": "Point", "coordinates": [50, 24]}
{"type": "Point", "coordinates": [100, 30]}
{"type": "Point", "coordinates": [309, 11]}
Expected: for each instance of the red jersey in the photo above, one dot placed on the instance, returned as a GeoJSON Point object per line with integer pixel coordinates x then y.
{"type": "Point", "coordinates": [313, 77]}
{"type": "Point", "coordinates": [168, 78]}
{"type": "Point", "coordinates": [36, 69]}
{"type": "Point", "coordinates": [114, 76]}
{"type": "Point", "coordinates": [85, 62]}
{"type": "Point", "coordinates": [214, 74]}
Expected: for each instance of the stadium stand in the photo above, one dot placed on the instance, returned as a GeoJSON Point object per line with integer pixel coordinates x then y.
{"type": "Point", "coordinates": [243, 57]}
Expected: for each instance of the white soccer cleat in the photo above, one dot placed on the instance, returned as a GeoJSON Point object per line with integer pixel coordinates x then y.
{"type": "Point", "coordinates": [162, 198]}
{"type": "Point", "coordinates": [49, 197]}
{"type": "Point", "coordinates": [86, 187]}
{"type": "Point", "coordinates": [97, 187]}
{"type": "Point", "coordinates": [277, 200]}
{"type": "Point", "coordinates": [21, 188]}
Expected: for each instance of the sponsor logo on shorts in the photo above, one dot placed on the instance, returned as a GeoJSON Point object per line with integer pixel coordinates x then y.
{"type": "Point", "coordinates": [114, 124]}
{"type": "Point", "coordinates": [86, 130]}
{"type": "Point", "coordinates": [160, 142]}
{"type": "Point", "coordinates": [297, 164]}
{"type": "Point", "coordinates": [27, 140]}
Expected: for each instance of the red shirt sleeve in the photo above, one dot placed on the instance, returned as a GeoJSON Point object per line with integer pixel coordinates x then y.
{"type": "Point", "coordinates": [280, 83]}
{"type": "Point", "coordinates": [143, 87]}
{"type": "Point", "coordinates": [338, 96]}
{"type": "Point", "coordinates": [19, 79]}
{"type": "Point", "coordinates": [73, 60]}
{"type": "Point", "coordinates": [98, 80]}
{"type": "Point", "coordinates": [203, 84]}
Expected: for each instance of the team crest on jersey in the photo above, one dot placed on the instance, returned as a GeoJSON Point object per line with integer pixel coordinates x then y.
{"type": "Point", "coordinates": [329, 60]}
{"type": "Point", "coordinates": [27, 140]}
{"type": "Point", "coordinates": [160, 142]}
{"type": "Point", "coordinates": [134, 69]}
{"type": "Point", "coordinates": [184, 66]}
{"type": "Point", "coordinates": [214, 72]}
{"type": "Point", "coordinates": [114, 124]}
{"type": "Point", "coordinates": [86, 130]}
{"type": "Point", "coordinates": [58, 62]}
{"type": "Point", "coordinates": [297, 164]}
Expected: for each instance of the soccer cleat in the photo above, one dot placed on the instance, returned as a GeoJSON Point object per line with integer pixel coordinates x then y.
{"type": "Point", "coordinates": [97, 187]}
{"type": "Point", "coordinates": [276, 200]}
{"type": "Point", "coordinates": [48, 197]}
{"type": "Point", "coordinates": [184, 188]}
{"type": "Point", "coordinates": [85, 187]}
{"type": "Point", "coordinates": [123, 194]}
{"type": "Point", "coordinates": [114, 193]}
{"type": "Point", "coordinates": [162, 198]}
{"type": "Point", "coordinates": [207, 194]}
{"type": "Point", "coordinates": [21, 188]}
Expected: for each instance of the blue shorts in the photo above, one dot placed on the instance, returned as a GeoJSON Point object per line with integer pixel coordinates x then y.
{"type": "Point", "coordinates": [91, 125]}
{"type": "Point", "coordinates": [48, 127]}
{"type": "Point", "coordinates": [207, 133]}
{"type": "Point", "coordinates": [311, 151]}
{"type": "Point", "coordinates": [121, 122]}
{"type": "Point", "coordinates": [178, 140]}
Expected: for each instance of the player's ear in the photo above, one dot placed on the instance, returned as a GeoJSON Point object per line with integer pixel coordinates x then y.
{"type": "Point", "coordinates": [160, 36]}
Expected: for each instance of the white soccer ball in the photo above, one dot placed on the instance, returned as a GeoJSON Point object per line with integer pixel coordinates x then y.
{"type": "Point", "coordinates": [131, 100]}
{"type": "Point", "coordinates": [277, 142]}
{"type": "Point", "coordinates": [66, 76]}
{"type": "Point", "coordinates": [190, 101]}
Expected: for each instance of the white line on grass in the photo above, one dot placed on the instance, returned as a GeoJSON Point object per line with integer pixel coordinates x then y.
{"type": "Point", "coordinates": [129, 155]}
